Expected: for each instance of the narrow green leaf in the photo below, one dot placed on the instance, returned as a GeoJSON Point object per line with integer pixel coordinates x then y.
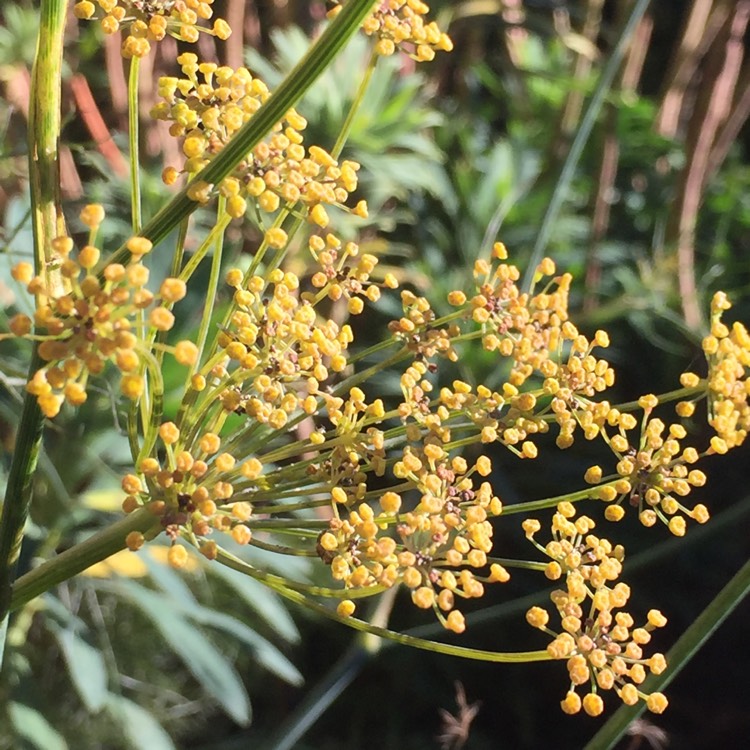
{"type": "Point", "coordinates": [86, 666]}
{"type": "Point", "coordinates": [207, 664]}
{"type": "Point", "coordinates": [141, 728]}
{"type": "Point", "coordinates": [34, 728]}
{"type": "Point", "coordinates": [57, 612]}
{"type": "Point", "coordinates": [264, 602]}
{"type": "Point", "coordinates": [266, 653]}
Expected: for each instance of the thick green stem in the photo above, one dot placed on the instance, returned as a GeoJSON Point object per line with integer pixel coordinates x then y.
{"type": "Point", "coordinates": [18, 498]}
{"type": "Point", "coordinates": [44, 132]}
{"type": "Point", "coordinates": [76, 559]}
{"type": "Point", "coordinates": [47, 223]}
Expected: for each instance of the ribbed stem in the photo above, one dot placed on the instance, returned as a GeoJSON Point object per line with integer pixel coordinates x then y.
{"type": "Point", "coordinates": [76, 559]}
{"type": "Point", "coordinates": [47, 223]}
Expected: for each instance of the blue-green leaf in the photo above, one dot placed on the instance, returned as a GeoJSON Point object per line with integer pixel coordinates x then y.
{"type": "Point", "coordinates": [169, 580]}
{"type": "Point", "coordinates": [264, 602]}
{"type": "Point", "coordinates": [208, 665]}
{"type": "Point", "coordinates": [265, 652]}
{"type": "Point", "coordinates": [34, 728]}
{"type": "Point", "coordinates": [86, 667]}
{"type": "Point", "coordinates": [183, 601]}
{"type": "Point", "coordinates": [141, 728]}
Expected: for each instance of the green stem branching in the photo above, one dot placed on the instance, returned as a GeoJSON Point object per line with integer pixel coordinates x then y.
{"type": "Point", "coordinates": [280, 586]}
{"type": "Point", "coordinates": [133, 136]}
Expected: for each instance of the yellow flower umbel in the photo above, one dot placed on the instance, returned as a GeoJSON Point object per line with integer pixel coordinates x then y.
{"type": "Point", "coordinates": [96, 321]}
{"type": "Point", "coordinates": [277, 353]}
{"type": "Point", "coordinates": [727, 351]}
{"type": "Point", "coordinates": [193, 491]}
{"type": "Point", "coordinates": [400, 24]}
{"type": "Point", "coordinates": [147, 21]}
{"type": "Point", "coordinates": [532, 330]}
{"type": "Point", "coordinates": [653, 471]}
{"type": "Point", "coordinates": [277, 443]}
{"type": "Point", "coordinates": [439, 544]}
{"type": "Point", "coordinates": [602, 648]}
{"type": "Point", "coordinates": [209, 105]}
{"type": "Point", "coordinates": [527, 328]}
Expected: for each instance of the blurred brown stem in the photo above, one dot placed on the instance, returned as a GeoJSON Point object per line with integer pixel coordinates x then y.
{"type": "Point", "coordinates": [733, 124]}
{"type": "Point", "coordinates": [631, 74]}
{"type": "Point", "coordinates": [711, 109]}
{"type": "Point", "coordinates": [584, 62]}
{"type": "Point", "coordinates": [701, 27]}
{"type": "Point", "coordinates": [94, 121]}
{"type": "Point", "coordinates": [571, 112]}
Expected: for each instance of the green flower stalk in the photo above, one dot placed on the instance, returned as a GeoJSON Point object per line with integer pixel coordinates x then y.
{"type": "Point", "coordinates": [133, 136]}
{"type": "Point", "coordinates": [47, 223]}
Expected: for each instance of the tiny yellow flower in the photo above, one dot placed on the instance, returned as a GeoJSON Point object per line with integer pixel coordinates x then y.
{"type": "Point", "coordinates": [345, 608]}
{"type": "Point", "coordinates": [178, 556]}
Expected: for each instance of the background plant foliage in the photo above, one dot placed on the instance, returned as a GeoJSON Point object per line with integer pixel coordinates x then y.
{"type": "Point", "coordinates": [655, 217]}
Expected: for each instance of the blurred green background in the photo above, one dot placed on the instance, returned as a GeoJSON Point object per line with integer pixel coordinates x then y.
{"type": "Point", "coordinates": [479, 145]}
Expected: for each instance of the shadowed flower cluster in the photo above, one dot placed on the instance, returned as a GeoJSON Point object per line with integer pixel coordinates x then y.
{"type": "Point", "coordinates": [602, 648]}
{"type": "Point", "coordinates": [148, 21]}
{"type": "Point", "coordinates": [400, 25]}
{"type": "Point", "coordinates": [209, 105]}
{"type": "Point", "coordinates": [85, 319]}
